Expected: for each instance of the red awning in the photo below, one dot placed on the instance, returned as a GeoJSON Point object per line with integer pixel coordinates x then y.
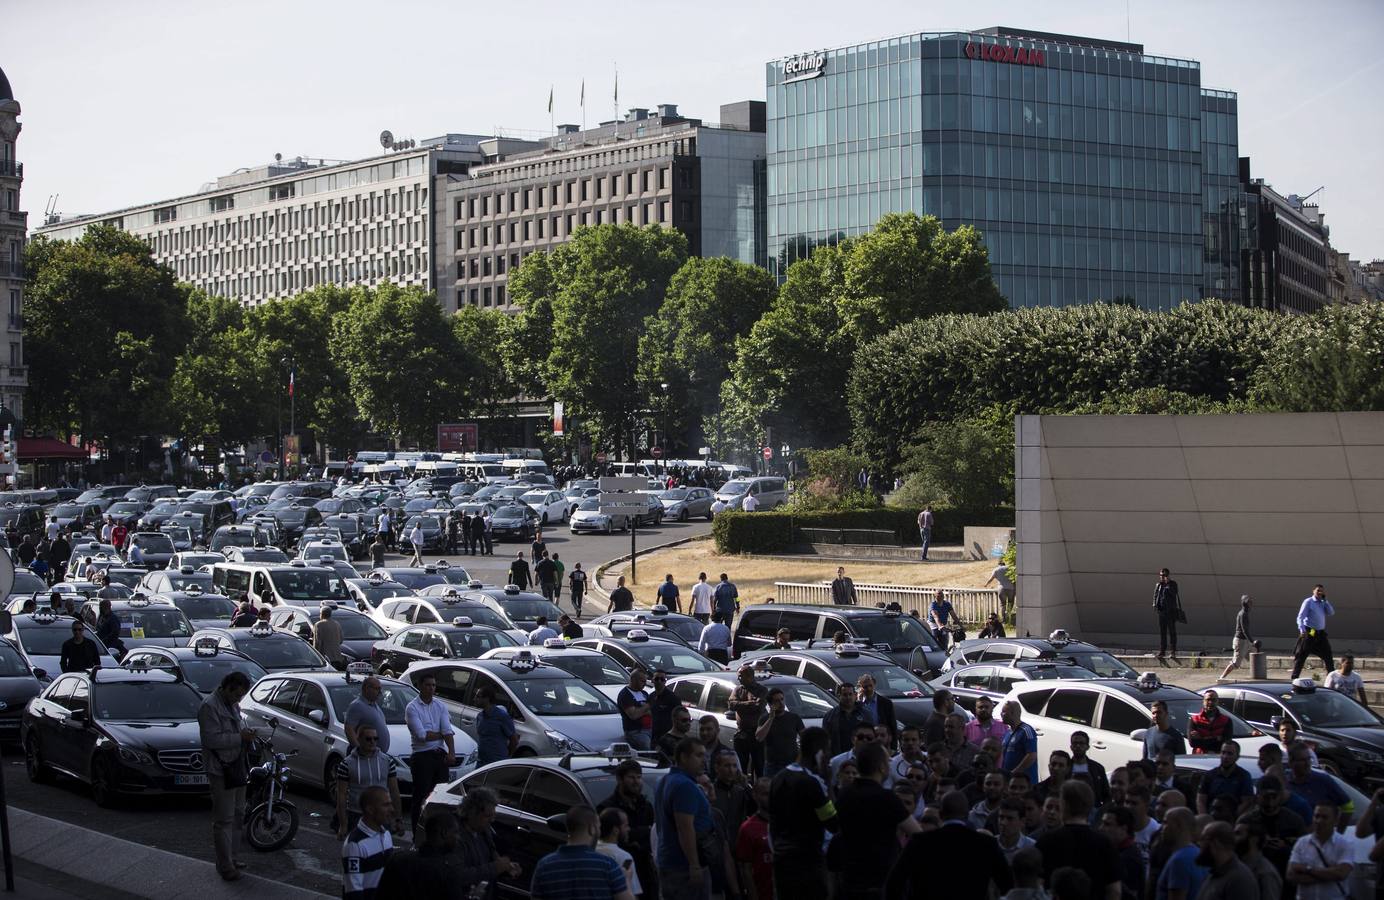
{"type": "Point", "coordinates": [31, 448]}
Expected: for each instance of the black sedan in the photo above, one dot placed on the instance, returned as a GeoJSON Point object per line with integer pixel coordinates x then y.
{"type": "Point", "coordinates": [19, 683]}
{"type": "Point", "coordinates": [1349, 738]}
{"type": "Point", "coordinates": [515, 521]}
{"type": "Point", "coordinates": [126, 512]}
{"type": "Point", "coordinates": [433, 530]}
{"type": "Point", "coordinates": [121, 731]}
{"type": "Point", "coordinates": [461, 639]}
{"type": "Point", "coordinates": [359, 633]}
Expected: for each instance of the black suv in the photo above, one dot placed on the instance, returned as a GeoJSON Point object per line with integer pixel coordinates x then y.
{"type": "Point", "coordinates": [902, 638]}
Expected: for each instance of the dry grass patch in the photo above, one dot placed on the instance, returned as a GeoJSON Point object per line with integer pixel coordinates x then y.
{"type": "Point", "coordinates": [755, 576]}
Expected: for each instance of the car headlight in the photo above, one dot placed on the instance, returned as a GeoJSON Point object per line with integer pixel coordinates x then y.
{"type": "Point", "coordinates": [1369, 756]}
{"type": "Point", "coordinates": [136, 757]}
{"type": "Point", "coordinates": [564, 744]}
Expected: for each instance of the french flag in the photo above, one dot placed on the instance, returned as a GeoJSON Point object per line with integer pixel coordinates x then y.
{"type": "Point", "coordinates": [290, 382]}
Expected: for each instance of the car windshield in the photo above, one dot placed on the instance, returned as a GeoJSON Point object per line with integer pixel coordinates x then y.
{"type": "Point", "coordinates": [11, 663]}
{"type": "Point", "coordinates": [688, 629]}
{"type": "Point", "coordinates": [674, 494]}
{"type": "Point", "coordinates": [181, 581]}
{"type": "Point", "coordinates": [153, 623]}
{"type": "Point", "coordinates": [471, 644]}
{"type": "Point", "coordinates": [594, 668]}
{"type": "Point", "coordinates": [91, 496]}
{"type": "Point", "coordinates": [899, 632]}
{"type": "Point", "coordinates": [1181, 710]}
{"type": "Point", "coordinates": [394, 699]}
{"type": "Point", "coordinates": [509, 512]}
{"type": "Point", "coordinates": [124, 508]}
{"type": "Point", "coordinates": [347, 527]}
{"type": "Point", "coordinates": [39, 640]}
{"type": "Point", "coordinates": [535, 497]}
{"type": "Point", "coordinates": [485, 493]}
{"type": "Point", "coordinates": [478, 614]}
{"type": "Point", "coordinates": [360, 628]}
{"type": "Point", "coordinates": [735, 487]}
{"type": "Point", "coordinates": [807, 700]}
{"type": "Point", "coordinates": [263, 554]}
{"type": "Point", "coordinates": [531, 609]}
{"type": "Point", "coordinates": [419, 580]}
{"type": "Point", "coordinates": [377, 594]}
{"type": "Point", "coordinates": [1049, 673]}
{"type": "Point", "coordinates": [205, 672]}
{"type": "Point", "coordinates": [126, 579]}
{"type": "Point", "coordinates": [306, 584]}
{"type": "Point", "coordinates": [145, 702]}
{"type": "Point", "coordinates": [1103, 664]}
{"type": "Point", "coordinates": [561, 697]}
{"type": "Point", "coordinates": [1326, 708]}
{"type": "Point", "coordinates": [164, 508]}
{"type": "Point", "coordinates": [674, 659]}
{"type": "Point", "coordinates": [208, 606]}
{"type": "Point", "coordinates": [427, 523]}
{"type": "Point", "coordinates": [590, 504]}
{"type": "Point", "coordinates": [153, 543]}
{"type": "Point", "coordinates": [177, 533]}
{"type": "Point", "coordinates": [68, 510]}
{"type": "Point", "coordinates": [280, 652]}
{"type": "Point", "coordinates": [894, 682]}
{"type": "Point", "coordinates": [240, 537]}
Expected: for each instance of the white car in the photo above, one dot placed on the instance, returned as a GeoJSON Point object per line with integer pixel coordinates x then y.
{"type": "Point", "coordinates": [314, 551]}
{"type": "Point", "coordinates": [1115, 714]}
{"type": "Point", "coordinates": [550, 505]}
{"type": "Point", "coordinates": [397, 613]}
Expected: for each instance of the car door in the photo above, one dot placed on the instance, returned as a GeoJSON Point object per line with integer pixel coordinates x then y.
{"type": "Point", "coordinates": [689, 691]}
{"type": "Point", "coordinates": [1259, 710]}
{"type": "Point", "coordinates": [281, 704]}
{"type": "Point", "coordinates": [311, 734]}
{"type": "Point", "coordinates": [971, 684]}
{"type": "Point", "coordinates": [1068, 710]}
{"type": "Point", "coordinates": [52, 711]}
{"type": "Point", "coordinates": [547, 793]}
{"type": "Point", "coordinates": [755, 630]}
{"type": "Point", "coordinates": [408, 647]}
{"type": "Point", "coordinates": [1110, 739]}
{"type": "Point", "coordinates": [819, 675]}
{"type": "Point", "coordinates": [82, 737]}
{"type": "Point", "coordinates": [454, 688]}
{"type": "Point", "coordinates": [507, 780]}
{"type": "Point", "coordinates": [470, 709]}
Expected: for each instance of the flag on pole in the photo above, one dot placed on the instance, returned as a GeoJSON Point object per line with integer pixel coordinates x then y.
{"type": "Point", "coordinates": [550, 100]}
{"type": "Point", "coordinates": [290, 382]}
{"type": "Point", "coordinates": [617, 90]}
{"type": "Point", "coordinates": [583, 93]}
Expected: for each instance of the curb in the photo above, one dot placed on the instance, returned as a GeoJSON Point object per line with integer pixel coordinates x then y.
{"type": "Point", "coordinates": [134, 868]}
{"type": "Point", "coordinates": [601, 569]}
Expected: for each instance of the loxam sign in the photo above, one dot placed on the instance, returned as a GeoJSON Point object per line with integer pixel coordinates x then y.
{"type": "Point", "coordinates": [804, 66]}
{"type": "Point", "coordinates": [996, 53]}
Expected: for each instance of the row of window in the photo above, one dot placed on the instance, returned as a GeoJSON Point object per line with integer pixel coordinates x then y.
{"type": "Point", "coordinates": [373, 239]}
{"type": "Point", "coordinates": [1089, 254]}
{"type": "Point", "coordinates": [600, 187]}
{"type": "Point", "coordinates": [629, 152]}
{"type": "Point", "coordinates": [547, 228]}
{"type": "Point", "coordinates": [482, 296]}
{"type": "Point", "coordinates": [990, 161]}
{"type": "Point", "coordinates": [405, 267]}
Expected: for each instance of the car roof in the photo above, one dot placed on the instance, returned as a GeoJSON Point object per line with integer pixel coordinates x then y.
{"type": "Point", "coordinates": [538, 650]}
{"type": "Point", "coordinates": [1042, 644]}
{"type": "Point", "coordinates": [1121, 686]}
{"type": "Point", "coordinates": [849, 612]}
{"type": "Point", "coordinates": [732, 676]}
{"type": "Point", "coordinates": [824, 654]}
{"type": "Point", "coordinates": [182, 653]}
{"type": "Point", "coordinates": [501, 594]}
{"type": "Point", "coordinates": [449, 628]}
{"type": "Point", "coordinates": [497, 667]}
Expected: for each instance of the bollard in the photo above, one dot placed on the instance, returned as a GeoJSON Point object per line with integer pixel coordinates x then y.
{"type": "Point", "coordinates": [1259, 664]}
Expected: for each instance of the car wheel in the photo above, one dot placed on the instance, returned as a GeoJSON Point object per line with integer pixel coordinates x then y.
{"type": "Point", "coordinates": [566, 514]}
{"type": "Point", "coordinates": [544, 520]}
{"type": "Point", "coordinates": [329, 775]}
{"type": "Point", "coordinates": [525, 753]}
{"type": "Point", "coordinates": [609, 527]}
{"type": "Point", "coordinates": [38, 770]}
{"type": "Point", "coordinates": [103, 784]}
{"type": "Point", "coordinates": [682, 516]}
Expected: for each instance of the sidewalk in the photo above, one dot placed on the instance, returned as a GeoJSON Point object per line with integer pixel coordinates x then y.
{"type": "Point", "coordinates": [1204, 668]}
{"type": "Point", "coordinates": [55, 859]}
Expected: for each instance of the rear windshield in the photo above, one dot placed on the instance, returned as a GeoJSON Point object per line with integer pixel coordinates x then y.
{"type": "Point", "coordinates": [153, 623]}
{"type": "Point", "coordinates": [145, 702]}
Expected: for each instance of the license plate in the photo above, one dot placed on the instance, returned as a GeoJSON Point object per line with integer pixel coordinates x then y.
{"type": "Point", "coordinates": [181, 780]}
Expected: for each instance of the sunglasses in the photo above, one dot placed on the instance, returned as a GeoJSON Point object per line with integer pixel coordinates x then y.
{"type": "Point", "coordinates": [370, 740]}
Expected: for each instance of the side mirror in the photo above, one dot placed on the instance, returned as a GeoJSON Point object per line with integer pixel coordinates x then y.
{"type": "Point", "coordinates": [1138, 734]}
{"type": "Point", "coordinates": [437, 653]}
{"type": "Point", "coordinates": [730, 717]}
{"type": "Point", "coordinates": [80, 716]}
{"type": "Point", "coordinates": [318, 717]}
{"type": "Point", "coordinates": [41, 674]}
{"type": "Point", "coordinates": [272, 722]}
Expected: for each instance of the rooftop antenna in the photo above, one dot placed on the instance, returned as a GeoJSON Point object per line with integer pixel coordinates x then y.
{"type": "Point", "coordinates": [1127, 37]}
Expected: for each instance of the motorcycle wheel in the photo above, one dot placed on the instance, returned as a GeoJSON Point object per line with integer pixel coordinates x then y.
{"type": "Point", "coordinates": [268, 834]}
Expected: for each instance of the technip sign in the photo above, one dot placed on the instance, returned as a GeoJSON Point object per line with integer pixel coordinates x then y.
{"type": "Point", "coordinates": [804, 66]}
{"type": "Point", "coordinates": [995, 53]}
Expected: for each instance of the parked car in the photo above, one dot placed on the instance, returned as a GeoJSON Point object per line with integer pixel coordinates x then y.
{"type": "Point", "coordinates": [685, 503]}
{"type": "Point", "coordinates": [970, 683]}
{"type": "Point", "coordinates": [1058, 645]}
{"type": "Point", "coordinates": [709, 693]}
{"type": "Point", "coordinates": [902, 638]}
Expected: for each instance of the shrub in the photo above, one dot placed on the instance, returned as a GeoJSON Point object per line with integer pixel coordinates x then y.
{"type": "Point", "coordinates": [781, 529]}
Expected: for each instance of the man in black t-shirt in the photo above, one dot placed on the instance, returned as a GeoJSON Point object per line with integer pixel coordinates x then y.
{"type": "Point", "coordinates": [778, 731]}
{"type": "Point", "coordinates": [950, 861]}
{"type": "Point", "coordinates": [800, 814]}
{"type": "Point", "coordinates": [545, 570]}
{"type": "Point", "coordinates": [663, 703]}
{"type": "Point", "coordinates": [1078, 845]}
{"type": "Point", "coordinates": [871, 820]}
{"type": "Point", "coordinates": [622, 598]}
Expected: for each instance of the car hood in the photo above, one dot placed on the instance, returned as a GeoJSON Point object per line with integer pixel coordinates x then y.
{"type": "Point", "coordinates": [359, 649]}
{"type": "Point", "coordinates": [583, 515]}
{"type": "Point", "coordinates": [18, 690]}
{"type": "Point", "coordinates": [1366, 737]}
{"type": "Point", "coordinates": [131, 643]}
{"type": "Point", "coordinates": [596, 732]}
{"type": "Point", "coordinates": [155, 735]}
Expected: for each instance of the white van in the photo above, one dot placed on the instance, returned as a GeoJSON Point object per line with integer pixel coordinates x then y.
{"type": "Point", "coordinates": [517, 467]}
{"type": "Point", "coordinates": [264, 584]}
{"type": "Point", "coordinates": [484, 472]}
{"type": "Point", "coordinates": [626, 469]}
{"type": "Point", "coordinates": [770, 492]}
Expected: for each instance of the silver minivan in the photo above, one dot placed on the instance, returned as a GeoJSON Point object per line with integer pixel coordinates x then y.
{"type": "Point", "coordinates": [770, 492]}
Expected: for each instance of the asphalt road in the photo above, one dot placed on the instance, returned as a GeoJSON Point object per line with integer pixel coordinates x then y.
{"type": "Point", "coordinates": [183, 825]}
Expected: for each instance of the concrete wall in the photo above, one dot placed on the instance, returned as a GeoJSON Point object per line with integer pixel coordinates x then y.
{"type": "Point", "coordinates": [1261, 504]}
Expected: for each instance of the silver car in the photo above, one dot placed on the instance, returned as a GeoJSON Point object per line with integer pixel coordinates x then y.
{"type": "Point", "coordinates": [685, 503]}
{"type": "Point", "coordinates": [311, 709]}
{"type": "Point", "coordinates": [589, 517]}
{"type": "Point", "coordinates": [709, 693]}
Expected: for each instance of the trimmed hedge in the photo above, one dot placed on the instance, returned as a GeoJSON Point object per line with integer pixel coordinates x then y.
{"type": "Point", "coordinates": [769, 532]}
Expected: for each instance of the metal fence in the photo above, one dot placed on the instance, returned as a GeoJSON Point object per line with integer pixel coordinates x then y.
{"type": "Point", "coordinates": [973, 605]}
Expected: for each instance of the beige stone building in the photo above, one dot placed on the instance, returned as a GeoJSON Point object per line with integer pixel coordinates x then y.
{"type": "Point", "coordinates": [13, 227]}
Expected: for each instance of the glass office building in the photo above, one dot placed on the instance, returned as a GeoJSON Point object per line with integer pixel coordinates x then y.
{"type": "Point", "coordinates": [1094, 170]}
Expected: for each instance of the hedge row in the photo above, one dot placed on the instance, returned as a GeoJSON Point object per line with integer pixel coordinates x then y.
{"type": "Point", "coordinates": [768, 532]}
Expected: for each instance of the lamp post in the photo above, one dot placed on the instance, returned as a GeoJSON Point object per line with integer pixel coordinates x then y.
{"type": "Point", "coordinates": [287, 363]}
{"type": "Point", "coordinates": [664, 458]}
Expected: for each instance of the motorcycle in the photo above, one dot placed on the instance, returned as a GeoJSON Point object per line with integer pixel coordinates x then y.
{"type": "Point", "coordinates": [272, 819]}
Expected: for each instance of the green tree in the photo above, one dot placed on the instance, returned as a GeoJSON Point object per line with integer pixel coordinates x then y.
{"type": "Point", "coordinates": [967, 464]}
{"type": "Point", "coordinates": [608, 279]}
{"type": "Point", "coordinates": [690, 343]}
{"type": "Point", "coordinates": [221, 390]}
{"type": "Point", "coordinates": [104, 322]}
{"type": "Point", "coordinates": [402, 361]}
{"type": "Point", "coordinates": [1327, 362]}
{"type": "Point", "coordinates": [526, 341]}
{"type": "Point", "coordinates": [480, 335]}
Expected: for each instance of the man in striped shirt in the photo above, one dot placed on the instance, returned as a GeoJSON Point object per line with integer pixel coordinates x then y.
{"type": "Point", "coordinates": [365, 767]}
{"type": "Point", "coordinates": [368, 846]}
{"type": "Point", "coordinates": [576, 871]}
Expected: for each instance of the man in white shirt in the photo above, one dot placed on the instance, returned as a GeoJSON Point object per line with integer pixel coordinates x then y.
{"type": "Point", "coordinates": [615, 830]}
{"type": "Point", "coordinates": [717, 506]}
{"type": "Point", "coordinates": [701, 599]}
{"type": "Point", "coordinates": [430, 737]}
{"type": "Point", "coordinates": [541, 632]}
{"type": "Point", "coordinates": [1347, 680]}
{"type": "Point", "coordinates": [750, 503]}
{"type": "Point", "coordinates": [383, 527]}
{"type": "Point", "coordinates": [1321, 859]}
{"type": "Point", "coordinates": [106, 530]}
{"type": "Point", "coordinates": [53, 529]}
{"type": "Point", "coordinates": [415, 538]}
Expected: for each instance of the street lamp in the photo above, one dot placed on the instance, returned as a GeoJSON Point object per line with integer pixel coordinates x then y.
{"type": "Point", "coordinates": [664, 458]}
{"type": "Point", "coordinates": [287, 363]}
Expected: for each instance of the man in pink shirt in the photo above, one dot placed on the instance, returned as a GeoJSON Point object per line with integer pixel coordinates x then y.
{"type": "Point", "coordinates": [983, 725]}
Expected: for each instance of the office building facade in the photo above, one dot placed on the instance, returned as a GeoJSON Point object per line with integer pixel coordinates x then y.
{"type": "Point", "coordinates": [1286, 261]}
{"type": "Point", "coordinates": [1082, 161]}
{"type": "Point", "coordinates": [14, 377]}
{"type": "Point", "coordinates": [272, 231]}
{"type": "Point", "coordinates": [650, 168]}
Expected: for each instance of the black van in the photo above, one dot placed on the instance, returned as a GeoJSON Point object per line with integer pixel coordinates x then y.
{"type": "Point", "coordinates": [908, 641]}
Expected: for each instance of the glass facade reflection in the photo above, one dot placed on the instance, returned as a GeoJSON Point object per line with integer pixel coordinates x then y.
{"type": "Point", "coordinates": [1087, 164]}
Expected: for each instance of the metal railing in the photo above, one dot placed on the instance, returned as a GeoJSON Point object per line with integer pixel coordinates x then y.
{"type": "Point", "coordinates": [972, 605]}
{"type": "Point", "coordinates": [10, 167]}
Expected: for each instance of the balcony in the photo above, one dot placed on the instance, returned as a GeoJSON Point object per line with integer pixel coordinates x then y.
{"type": "Point", "coordinates": [16, 322]}
{"type": "Point", "coordinates": [13, 268]}
{"type": "Point", "coordinates": [11, 168]}
{"type": "Point", "coordinates": [17, 373]}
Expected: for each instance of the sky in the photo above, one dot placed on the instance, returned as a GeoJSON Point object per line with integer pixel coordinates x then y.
{"type": "Point", "coordinates": [132, 101]}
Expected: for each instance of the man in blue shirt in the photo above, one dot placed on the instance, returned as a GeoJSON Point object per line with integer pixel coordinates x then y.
{"type": "Point", "coordinates": [575, 871]}
{"type": "Point", "coordinates": [682, 816]}
{"type": "Point", "coordinates": [1227, 780]}
{"type": "Point", "coordinates": [1311, 623]}
{"type": "Point", "coordinates": [939, 614]}
{"type": "Point", "coordinates": [1020, 750]}
{"type": "Point", "coordinates": [668, 594]}
{"type": "Point", "coordinates": [1315, 787]}
{"type": "Point", "coordinates": [727, 599]}
{"type": "Point", "coordinates": [1162, 735]}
